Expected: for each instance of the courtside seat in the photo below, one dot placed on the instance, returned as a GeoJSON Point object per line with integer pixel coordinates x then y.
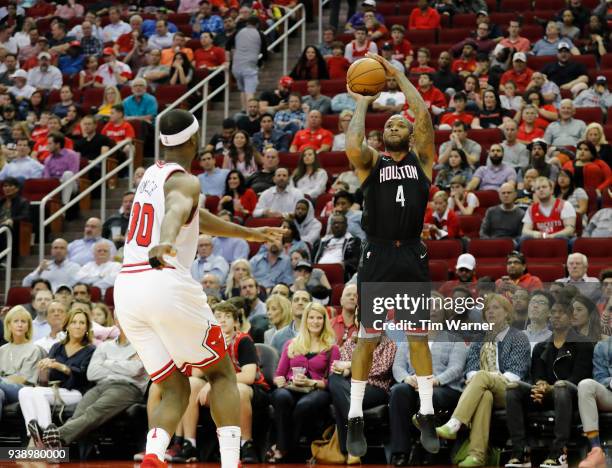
{"type": "Point", "coordinates": [490, 251]}
{"type": "Point", "coordinates": [545, 250]}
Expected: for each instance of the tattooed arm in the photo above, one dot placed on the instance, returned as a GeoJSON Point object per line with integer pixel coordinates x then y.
{"type": "Point", "coordinates": [423, 128]}
{"type": "Point", "coordinates": [359, 153]}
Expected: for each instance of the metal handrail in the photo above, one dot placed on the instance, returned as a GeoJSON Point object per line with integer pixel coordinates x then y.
{"type": "Point", "coordinates": [203, 103]}
{"type": "Point", "coordinates": [8, 253]}
{"type": "Point", "coordinates": [206, 96]}
{"type": "Point", "coordinates": [104, 177]}
{"type": "Point", "coordinates": [321, 4]}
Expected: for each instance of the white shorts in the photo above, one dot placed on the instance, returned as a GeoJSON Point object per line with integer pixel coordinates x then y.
{"type": "Point", "coordinates": [165, 315]}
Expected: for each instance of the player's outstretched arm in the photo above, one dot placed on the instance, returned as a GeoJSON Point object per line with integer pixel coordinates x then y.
{"type": "Point", "coordinates": [423, 127]}
{"type": "Point", "coordinates": [215, 226]}
{"type": "Point", "coordinates": [359, 153]}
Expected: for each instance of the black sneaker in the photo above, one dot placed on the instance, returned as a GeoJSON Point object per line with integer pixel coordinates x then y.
{"type": "Point", "coordinates": [399, 459]}
{"type": "Point", "coordinates": [187, 454]}
{"type": "Point", "coordinates": [36, 434]}
{"type": "Point", "coordinates": [356, 443]}
{"type": "Point", "coordinates": [427, 425]}
{"type": "Point", "coordinates": [248, 453]}
{"type": "Point", "coordinates": [555, 460]}
{"type": "Point", "coordinates": [519, 460]}
{"type": "Point", "coordinates": [51, 437]}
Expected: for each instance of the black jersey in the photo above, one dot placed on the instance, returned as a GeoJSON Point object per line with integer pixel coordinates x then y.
{"type": "Point", "coordinates": [395, 198]}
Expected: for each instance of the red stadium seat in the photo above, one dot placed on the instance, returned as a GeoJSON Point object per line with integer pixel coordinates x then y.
{"type": "Point", "coordinates": [536, 62]}
{"type": "Point", "coordinates": [398, 19]}
{"type": "Point", "coordinates": [321, 202]}
{"type": "Point", "coordinates": [489, 251]}
{"type": "Point", "coordinates": [597, 250]}
{"type": "Point", "coordinates": [513, 5]}
{"type": "Point", "coordinates": [587, 60]}
{"type": "Point", "coordinates": [92, 97]}
{"type": "Point", "coordinates": [487, 198]}
{"type": "Point", "coordinates": [464, 20]}
{"type": "Point", "coordinates": [376, 120]}
{"type": "Point", "coordinates": [549, 4]}
{"type": "Point", "coordinates": [386, 9]}
{"type": "Point", "coordinates": [167, 94]}
{"type": "Point", "coordinates": [336, 294]}
{"type": "Point", "coordinates": [260, 222]}
{"type": "Point", "coordinates": [196, 169]}
{"type": "Point", "coordinates": [547, 272]}
{"type": "Point", "coordinates": [446, 249]}
{"type": "Point", "coordinates": [36, 189]}
{"type": "Point", "coordinates": [420, 37]}
{"type": "Point", "coordinates": [589, 114]}
{"type": "Point", "coordinates": [405, 8]}
{"type": "Point", "coordinates": [436, 49]}
{"type": "Point", "coordinates": [532, 32]}
{"type": "Point", "coordinates": [288, 160]}
{"type": "Point", "coordinates": [606, 61]}
{"type": "Point", "coordinates": [109, 297]}
{"type": "Point", "coordinates": [441, 136]}
{"type": "Point", "coordinates": [606, 199]}
{"type": "Point", "coordinates": [18, 295]}
{"type": "Point", "coordinates": [179, 18]}
{"type": "Point", "coordinates": [487, 135]}
{"type": "Point", "coordinates": [95, 293]}
{"type": "Point", "coordinates": [470, 225]}
{"type": "Point", "coordinates": [438, 270]}
{"type": "Point", "coordinates": [333, 271]}
{"type": "Point", "coordinates": [254, 248]}
{"type": "Point", "coordinates": [545, 250]}
{"type": "Point", "coordinates": [493, 271]}
{"type": "Point", "coordinates": [212, 203]}
{"type": "Point", "coordinates": [334, 162]}
{"type": "Point", "coordinates": [455, 35]}
{"type": "Point", "coordinates": [501, 18]}
{"type": "Point", "coordinates": [595, 269]}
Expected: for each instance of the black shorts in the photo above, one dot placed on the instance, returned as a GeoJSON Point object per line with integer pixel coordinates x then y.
{"type": "Point", "coordinates": [394, 262]}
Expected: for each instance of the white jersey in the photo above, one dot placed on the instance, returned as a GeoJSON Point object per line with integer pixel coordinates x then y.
{"type": "Point", "coordinates": [146, 217]}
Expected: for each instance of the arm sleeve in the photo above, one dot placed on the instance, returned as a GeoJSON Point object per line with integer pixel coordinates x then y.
{"type": "Point", "coordinates": [282, 370]}
{"type": "Point", "coordinates": [456, 363]}
{"type": "Point", "coordinates": [601, 363]}
{"type": "Point", "coordinates": [262, 205]}
{"type": "Point", "coordinates": [401, 363]}
{"type": "Point", "coordinates": [582, 363]}
{"type": "Point", "coordinates": [486, 225]}
{"type": "Point", "coordinates": [96, 370]}
{"type": "Point", "coordinates": [247, 354]}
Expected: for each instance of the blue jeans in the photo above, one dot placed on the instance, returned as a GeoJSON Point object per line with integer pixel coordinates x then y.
{"type": "Point", "coordinates": [8, 393]}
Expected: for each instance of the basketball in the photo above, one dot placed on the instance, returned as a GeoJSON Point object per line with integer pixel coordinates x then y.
{"type": "Point", "coordinates": [366, 76]}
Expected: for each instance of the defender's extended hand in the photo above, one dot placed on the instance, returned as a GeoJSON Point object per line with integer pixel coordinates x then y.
{"type": "Point", "coordinates": [156, 255]}
{"type": "Point", "coordinates": [266, 234]}
{"type": "Point", "coordinates": [361, 97]}
{"type": "Point", "coordinates": [390, 69]}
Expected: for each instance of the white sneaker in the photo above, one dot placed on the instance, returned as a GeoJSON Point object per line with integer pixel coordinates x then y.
{"type": "Point", "coordinates": [559, 462]}
{"type": "Point", "coordinates": [139, 456]}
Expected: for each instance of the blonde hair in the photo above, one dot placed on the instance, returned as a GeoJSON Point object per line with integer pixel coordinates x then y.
{"type": "Point", "coordinates": [229, 283]}
{"type": "Point", "coordinates": [503, 301]}
{"type": "Point", "coordinates": [284, 305]}
{"type": "Point", "coordinates": [602, 135]}
{"type": "Point", "coordinates": [302, 343]}
{"type": "Point", "coordinates": [117, 96]}
{"type": "Point", "coordinates": [15, 313]}
{"type": "Point", "coordinates": [88, 336]}
{"type": "Point", "coordinates": [108, 316]}
{"type": "Point", "coordinates": [441, 194]}
{"type": "Point", "coordinates": [343, 114]}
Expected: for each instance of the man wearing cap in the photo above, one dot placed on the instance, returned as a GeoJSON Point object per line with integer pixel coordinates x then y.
{"type": "Point", "coordinates": [566, 73]}
{"type": "Point", "coordinates": [45, 76]}
{"type": "Point", "coordinates": [22, 166]}
{"type": "Point", "coordinates": [112, 72]}
{"type": "Point", "coordinates": [503, 220]}
{"type": "Point", "coordinates": [424, 16]}
{"type": "Point", "coordinates": [315, 100]}
{"type": "Point", "coordinates": [387, 53]}
{"type": "Point", "coordinates": [58, 270]}
{"type": "Point", "coordinates": [596, 96]}
{"type": "Point", "coordinates": [548, 45]}
{"type": "Point", "coordinates": [140, 105]}
{"type": "Point", "coordinates": [392, 100]}
{"type": "Point", "coordinates": [567, 131]}
{"type": "Point", "coordinates": [402, 48]}
{"type": "Point", "coordinates": [116, 27]}
{"type": "Point", "coordinates": [356, 20]}
{"type": "Point", "coordinates": [537, 160]}
{"type": "Point", "coordinates": [517, 277]}
{"type": "Point", "coordinates": [465, 270]}
{"type": "Point", "coordinates": [520, 74]}
{"type": "Point", "coordinates": [277, 99]}
{"type": "Point", "coordinates": [515, 40]}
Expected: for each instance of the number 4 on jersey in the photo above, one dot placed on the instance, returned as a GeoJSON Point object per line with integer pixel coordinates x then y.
{"type": "Point", "coordinates": [399, 196]}
{"type": "Point", "coordinates": [142, 221]}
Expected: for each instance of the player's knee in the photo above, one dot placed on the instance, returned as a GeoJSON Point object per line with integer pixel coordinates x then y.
{"type": "Point", "coordinates": [175, 386]}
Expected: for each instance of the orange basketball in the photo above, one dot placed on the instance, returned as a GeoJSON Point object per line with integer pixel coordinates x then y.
{"type": "Point", "coordinates": [366, 76]}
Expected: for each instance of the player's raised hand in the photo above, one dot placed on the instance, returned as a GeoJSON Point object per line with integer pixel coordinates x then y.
{"type": "Point", "coordinates": [390, 69]}
{"type": "Point", "coordinates": [156, 255]}
{"type": "Point", "coordinates": [266, 234]}
{"type": "Point", "coordinates": [361, 97]}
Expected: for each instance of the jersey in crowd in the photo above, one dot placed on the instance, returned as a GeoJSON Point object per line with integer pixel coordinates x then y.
{"type": "Point", "coordinates": [395, 198]}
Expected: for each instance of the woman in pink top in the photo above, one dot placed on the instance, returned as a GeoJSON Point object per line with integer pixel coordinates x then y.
{"type": "Point", "coordinates": [301, 379]}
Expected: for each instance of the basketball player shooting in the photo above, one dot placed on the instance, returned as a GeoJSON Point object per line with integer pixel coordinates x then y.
{"type": "Point", "coordinates": [395, 186]}
{"type": "Point", "coordinates": [162, 309]}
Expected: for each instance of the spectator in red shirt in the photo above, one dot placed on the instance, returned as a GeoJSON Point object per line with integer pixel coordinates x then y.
{"type": "Point", "coordinates": [514, 40]}
{"type": "Point", "coordinates": [466, 63]}
{"type": "Point", "coordinates": [590, 172]}
{"type": "Point", "coordinates": [375, 30]}
{"type": "Point", "coordinates": [441, 222]}
{"type": "Point", "coordinates": [459, 113]}
{"type": "Point", "coordinates": [465, 272]}
{"type": "Point", "coordinates": [126, 42]}
{"type": "Point", "coordinates": [337, 64]}
{"type": "Point", "coordinates": [424, 17]}
{"type": "Point", "coordinates": [40, 149]}
{"type": "Point", "coordinates": [209, 57]}
{"type": "Point", "coordinates": [520, 73]}
{"type": "Point", "coordinates": [402, 48]}
{"type": "Point", "coordinates": [313, 135]}
{"type": "Point", "coordinates": [435, 100]}
{"type": "Point", "coordinates": [344, 323]}
{"type": "Point", "coordinates": [517, 277]}
{"type": "Point", "coordinates": [117, 129]}
{"type": "Point", "coordinates": [528, 130]}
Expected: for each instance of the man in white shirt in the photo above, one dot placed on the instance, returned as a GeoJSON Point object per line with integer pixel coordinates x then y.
{"type": "Point", "coordinates": [359, 45]}
{"type": "Point", "coordinates": [45, 76]}
{"type": "Point", "coordinates": [6, 41]}
{"type": "Point", "coordinates": [56, 316]}
{"type": "Point", "coordinates": [162, 39]}
{"type": "Point", "coordinates": [112, 72]}
{"type": "Point", "coordinates": [40, 326]}
{"type": "Point", "coordinates": [102, 271]}
{"type": "Point", "coordinates": [96, 31]}
{"type": "Point", "coordinates": [279, 200]}
{"type": "Point", "coordinates": [206, 262]}
{"type": "Point", "coordinates": [21, 89]}
{"type": "Point", "coordinates": [339, 247]}
{"type": "Point", "coordinates": [392, 100]}
{"type": "Point", "coordinates": [577, 265]}
{"type": "Point", "coordinates": [58, 270]}
{"type": "Point", "coordinates": [116, 27]}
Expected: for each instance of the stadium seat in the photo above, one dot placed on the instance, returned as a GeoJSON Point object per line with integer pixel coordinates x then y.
{"type": "Point", "coordinates": [321, 202]}
{"type": "Point", "coordinates": [606, 61]}
{"type": "Point", "coordinates": [212, 203]}
{"type": "Point", "coordinates": [328, 87]}
{"type": "Point", "coordinates": [489, 251]}
{"type": "Point", "coordinates": [536, 62]}
{"type": "Point", "coordinates": [405, 8]}
{"type": "Point", "coordinates": [420, 37]}
{"type": "Point", "coordinates": [454, 35]}
{"type": "Point", "coordinates": [512, 5]}
{"type": "Point", "coordinates": [336, 294]}
{"type": "Point", "coordinates": [254, 248]}
{"type": "Point", "coordinates": [594, 269]}
{"type": "Point", "coordinates": [547, 272]}
{"type": "Point", "coordinates": [267, 357]}
{"type": "Point", "coordinates": [501, 18]}
{"type": "Point", "coordinates": [92, 97]}
{"type": "Point", "coordinates": [487, 198]}
{"type": "Point", "coordinates": [589, 114]}
{"type": "Point", "coordinates": [493, 271]}
{"type": "Point", "coordinates": [545, 250]}
{"type": "Point", "coordinates": [597, 250]}
{"type": "Point", "coordinates": [464, 20]}
{"type": "Point", "coordinates": [36, 189]}
{"type": "Point", "coordinates": [606, 201]}
{"type": "Point", "coordinates": [333, 271]}
{"type": "Point", "coordinates": [95, 293]}
{"type": "Point", "coordinates": [109, 297]}
{"type": "Point", "coordinates": [445, 249]}
{"type": "Point", "coordinates": [470, 225]}
{"type": "Point", "coordinates": [18, 295]}
{"type": "Point", "coordinates": [334, 162]}
{"type": "Point", "coordinates": [260, 222]}
{"type": "Point", "coordinates": [438, 270]}
{"type": "Point", "coordinates": [549, 4]}
{"type": "Point", "coordinates": [486, 135]}
{"type": "Point", "coordinates": [386, 9]}
{"type": "Point", "coordinates": [288, 160]}
{"type": "Point", "coordinates": [167, 94]}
